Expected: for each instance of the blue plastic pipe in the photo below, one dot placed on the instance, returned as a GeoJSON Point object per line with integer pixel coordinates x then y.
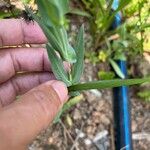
{"type": "Point", "coordinates": [122, 120]}
{"type": "Point", "coordinates": [121, 104]}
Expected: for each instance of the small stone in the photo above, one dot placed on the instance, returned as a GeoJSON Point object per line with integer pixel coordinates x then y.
{"type": "Point", "coordinates": [89, 121]}
{"type": "Point", "coordinates": [50, 140]}
{"type": "Point", "coordinates": [100, 104]}
{"type": "Point", "coordinates": [80, 133]}
{"type": "Point", "coordinates": [134, 126]}
{"type": "Point", "coordinates": [89, 129]}
{"type": "Point", "coordinates": [90, 109]}
{"type": "Point", "coordinates": [96, 115]}
{"type": "Point", "coordinates": [87, 142]}
{"type": "Point", "coordinates": [100, 135]}
{"type": "Point", "coordinates": [84, 117]}
{"type": "Point", "coordinates": [105, 119]}
{"type": "Point", "coordinates": [90, 97]}
{"type": "Point", "coordinates": [76, 115]}
{"type": "Point", "coordinates": [97, 93]}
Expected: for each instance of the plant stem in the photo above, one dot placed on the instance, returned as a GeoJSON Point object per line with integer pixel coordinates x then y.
{"type": "Point", "coordinates": [106, 84]}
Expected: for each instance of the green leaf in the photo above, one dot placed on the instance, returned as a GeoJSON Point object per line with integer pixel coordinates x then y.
{"type": "Point", "coordinates": [55, 33]}
{"type": "Point", "coordinates": [116, 68]}
{"type": "Point", "coordinates": [107, 84]}
{"type": "Point", "coordinates": [50, 36]}
{"type": "Point", "coordinates": [78, 67]}
{"type": "Point", "coordinates": [109, 19]}
{"type": "Point", "coordinates": [57, 118]}
{"type": "Point", "coordinates": [26, 1]}
{"type": "Point", "coordinates": [80, 13]}
{"type": "Point", "coordinates": [4, 14]}
{"type": "Point", "coordinates": [67, 51]}
{"type": "Point", "coordinates": [73, 101]}
{"type": "Point", "coordinates": [50, 33]}
{"type": "Point", "coordinates": [44, 11]}
{"type": "Point", "coordinates": [64, 6]}
{"type": "Point", "coordinates": [57, 66]}
{"type": "Point", "coordinates": [53, 10]}
{"type": "Point", "coordinates": [57, 37]}
{"type": "Point", "coordinates": [144, 95]}
{"type": "Point", "coordinates": [122, 4]}
{"type": "Point", "coordinates": [120, 56]}
{"type": "Point", "coordinates": [42, 25]}
{"type": "Point", "coordinates": [103, 75]}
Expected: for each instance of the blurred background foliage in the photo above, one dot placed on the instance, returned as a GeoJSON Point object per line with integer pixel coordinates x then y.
{"type": "Point", "coordinates": [131, 37]}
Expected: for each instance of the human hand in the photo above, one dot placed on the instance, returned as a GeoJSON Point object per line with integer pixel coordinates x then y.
{"type": "Point", "coordinates": [22, 120]}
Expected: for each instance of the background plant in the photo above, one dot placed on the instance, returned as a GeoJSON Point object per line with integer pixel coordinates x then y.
{"type": "Point", "coordinates": [135, 19]}
{"type": "Point", "coordinates": [128, 40]}
{"type": "Point", "coordinates": [145, 95]}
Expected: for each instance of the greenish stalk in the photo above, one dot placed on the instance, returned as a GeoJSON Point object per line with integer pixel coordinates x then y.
{"type": "Point", "coordinates": [73, 101]}
{"type": "Point", "coordinates": [106, 84]}
{"type": "Point", "coordinates": [101, 7]}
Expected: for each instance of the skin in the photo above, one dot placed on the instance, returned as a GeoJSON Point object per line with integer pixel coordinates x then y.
{"type": "Point", "coordinates": [41, 95]}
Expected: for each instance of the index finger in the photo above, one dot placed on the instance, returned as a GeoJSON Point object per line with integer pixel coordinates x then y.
{"type": "Point", "coordinates": [17, 31]}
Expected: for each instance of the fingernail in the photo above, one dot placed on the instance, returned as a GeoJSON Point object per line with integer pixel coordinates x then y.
{"type": "Point", "coordinates": [61, 90]}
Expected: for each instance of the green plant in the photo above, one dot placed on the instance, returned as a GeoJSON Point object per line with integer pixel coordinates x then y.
{"type": "Point", "coordinates": [92, 57]}
{"type": "Point", "coordinates": [103, 75]}
{"type": "Point", "coordinates": [73, 101]}
{"type": "Point", "coordinates": [26, 1]}
{"type": "Point", "coordinates": [135, 14]}
{"type": "Point", "coordinates": [7, 10]}
{"type": "Point", "coordinates": [102, 16]}
{"type": "Point", "coordinates": [131, 38]}
{"type": "Point", "coordinates": [145, 95]}
{"type": "Point", "coordinates": [51, 19]}
{"type": "Point", "coordinates": [51, 16]}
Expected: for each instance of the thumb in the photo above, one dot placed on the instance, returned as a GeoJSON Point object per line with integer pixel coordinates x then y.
{"type": "Point", "coordinates": [21, 121]}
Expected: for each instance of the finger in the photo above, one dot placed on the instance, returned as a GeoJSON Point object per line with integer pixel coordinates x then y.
{"type": "Point", "coordinates": [17, 31]}
{"type": "Point", "coordinates": [20, 85]}
{"type": "Point", "coordinates": [23, 59]}
{"type": "Point", "coordinates": [21, 121]}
